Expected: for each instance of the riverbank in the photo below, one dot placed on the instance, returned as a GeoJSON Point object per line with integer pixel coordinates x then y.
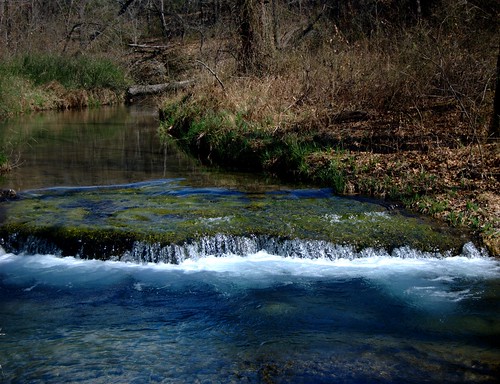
{"type": "Point", "coordinates": [429, 156]}
{"type": "Point", "coordinates": [400, 111]}
{"type": "Point", "coordinates": [40, 82]}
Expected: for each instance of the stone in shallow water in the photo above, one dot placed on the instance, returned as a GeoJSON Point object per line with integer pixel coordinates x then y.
{"type": "Point", "coordinates": [7, 194]}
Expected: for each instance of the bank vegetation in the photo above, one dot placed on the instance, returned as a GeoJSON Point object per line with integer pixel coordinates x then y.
{"type": "Point", "coordinates": [40, 82]}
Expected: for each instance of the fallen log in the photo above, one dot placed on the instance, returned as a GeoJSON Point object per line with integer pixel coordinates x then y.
{"type": "Point", "coordinates": [145, 46]}
{"type": "Point", "coordinates": [152, 89]}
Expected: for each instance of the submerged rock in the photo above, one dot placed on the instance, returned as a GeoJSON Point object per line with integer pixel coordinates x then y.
{"type": "Point", "coordinates": [7, 194]}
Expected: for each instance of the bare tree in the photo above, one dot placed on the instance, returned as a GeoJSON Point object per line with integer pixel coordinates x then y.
{"type": "Point", "coordinates": [495, 121]}
{"type": "Point", "coordinates": [256, 35]}
{"type": "Point", "coordinates": [6, 23]}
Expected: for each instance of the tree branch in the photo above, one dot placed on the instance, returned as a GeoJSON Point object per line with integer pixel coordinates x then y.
{"type": "Point", "coordinates": [213, 73]}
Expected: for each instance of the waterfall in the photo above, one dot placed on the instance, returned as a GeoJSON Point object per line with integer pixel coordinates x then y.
{"type": "Point", "coordinates": [220, 245]}
{"type": "Point", "coordinates": [223, 244]}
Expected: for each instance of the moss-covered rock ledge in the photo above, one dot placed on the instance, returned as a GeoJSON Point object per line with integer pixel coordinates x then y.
{"type": "Point", "coordinates": [167, 221]}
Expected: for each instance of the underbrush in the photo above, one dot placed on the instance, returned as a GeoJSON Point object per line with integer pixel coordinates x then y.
{"type": "Point", "coordinates": [407, 77]}
{"type": "Point", "coordinates": [415, 89]}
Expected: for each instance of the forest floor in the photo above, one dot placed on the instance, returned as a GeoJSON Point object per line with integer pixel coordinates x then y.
{"type": "Point", "coordinates": [424, 163]}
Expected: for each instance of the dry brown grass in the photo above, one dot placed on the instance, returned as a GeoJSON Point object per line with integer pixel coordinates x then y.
{"type": "Point", "coordinates": [409, 70]}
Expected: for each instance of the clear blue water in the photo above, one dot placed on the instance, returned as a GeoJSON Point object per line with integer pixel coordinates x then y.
{"type": "Point", "coordinates": [251, 319]}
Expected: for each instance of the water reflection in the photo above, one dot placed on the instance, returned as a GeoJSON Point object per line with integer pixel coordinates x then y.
{"type": "Point", "coordinates": [112, 145]}
{"type": "Point", "coordinates": [90, 147]}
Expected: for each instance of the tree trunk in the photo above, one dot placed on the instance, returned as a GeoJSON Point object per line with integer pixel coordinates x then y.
{"type": "Point", "coordinates": [495, 121]}
{"type": "Point", "coordinates": [161, 14]}
{"type": "Point", "coordinates": [276, 24]}
{"type": "Point", "coordinates": [247, 34]}
{"type": "Point", "coordinates": [255, 29]}
{"type": "Point", "coordinates": [419, 10]}
{"type": "Point", "coordinates": [142, 90]}
{"type": "Point", "coordinates": [124, 7]}
{"type": "Point", "coordinates": [8, 24]}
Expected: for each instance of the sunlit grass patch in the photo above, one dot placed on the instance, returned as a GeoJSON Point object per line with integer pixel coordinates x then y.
{"type": "Point", "coordinates": [42, 82]}
{"type": "Point", "coordinates": [71, 72]}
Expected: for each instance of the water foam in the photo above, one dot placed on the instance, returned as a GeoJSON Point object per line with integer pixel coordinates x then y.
{"type": "Point", "coordinates": [433, 277]}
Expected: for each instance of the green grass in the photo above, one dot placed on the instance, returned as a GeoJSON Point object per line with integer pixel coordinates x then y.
{"type": "Point", "coordinates": [24, 79]}
{"type": "Point", "coordinates": [229, 139]}
{"type": "Point", "coordinates": [10, 92]}
{"type": "Point", "coordinates": [71, 72]}
{"type": "Point", "coordinates": [4, 162]}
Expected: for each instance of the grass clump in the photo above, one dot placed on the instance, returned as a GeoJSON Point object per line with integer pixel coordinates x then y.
{"type": "Point", "coordinates": [71, 72]}
{"type": "Point", "coordinates": [42, 82]}
{"type": "Point", "coordinates": [215, 136]}
{"type": "Point", "coordinates": [19, 95]}
{"type": "Point", "coordinates": [4, 164]}
{"type": "Point", "coordinates": [235, 138]}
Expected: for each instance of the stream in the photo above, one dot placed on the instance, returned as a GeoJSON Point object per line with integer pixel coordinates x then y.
{"type": "Point", "coordinates": [125, 261]}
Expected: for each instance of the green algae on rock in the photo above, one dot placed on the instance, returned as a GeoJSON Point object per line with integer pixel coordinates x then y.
{"type": "Point", "coordinates": [114, 222]}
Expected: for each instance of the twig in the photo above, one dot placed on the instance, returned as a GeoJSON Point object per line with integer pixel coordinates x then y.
{"type": "Point", "coordinates": [213, 73]}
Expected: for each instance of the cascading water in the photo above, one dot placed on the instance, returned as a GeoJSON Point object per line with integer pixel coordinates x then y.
{"type": "Point", "coordinates": [171, 282]}
{"type": "Point", "coordinates": [240, 246]}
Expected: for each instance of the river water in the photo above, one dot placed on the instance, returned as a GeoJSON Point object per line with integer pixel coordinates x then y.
{"type": "Point", "coordinates": [242, 315]}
